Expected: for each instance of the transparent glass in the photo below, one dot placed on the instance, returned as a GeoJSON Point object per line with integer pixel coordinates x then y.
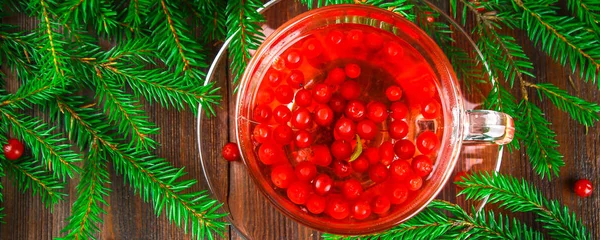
{"type": "Point", "coordinates": [458, 127]}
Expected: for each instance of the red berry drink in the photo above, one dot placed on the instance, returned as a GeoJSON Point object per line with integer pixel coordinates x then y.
{"type": "Point", "coordinates": [347, 123]}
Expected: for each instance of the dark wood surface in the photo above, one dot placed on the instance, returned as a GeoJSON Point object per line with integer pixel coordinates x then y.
{"type": "Point", "coordinates": [130, 218]}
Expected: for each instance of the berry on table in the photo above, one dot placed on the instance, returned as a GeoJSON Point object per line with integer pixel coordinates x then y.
{"type": "Point", "coordinates": [583, 188]}
{"type": "Point", "coordinates": [230, 151]}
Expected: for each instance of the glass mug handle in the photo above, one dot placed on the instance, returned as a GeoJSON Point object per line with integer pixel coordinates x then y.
{"type": "Point", "coordinates": [486, 126]}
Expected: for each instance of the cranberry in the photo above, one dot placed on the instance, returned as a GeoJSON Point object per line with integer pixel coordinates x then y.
{"type": "Point", "coordinates": [398, 193]}
{"type": "Point", "coordinates": [374, 41]}
{"type": "Point", "coordinates": [361, 210]}
{"type": "Point", "coordinates": [265, 96]}
{"type": "Point", "coordinates": [342, 169]}
{"type": "Point", "coordinates": [336, 76]}
{"type": "Point", "coordinates": [377, 112]}
{"type": "Point", "coordinates": [284, 94]}
{"type": "Point", "coordinates": [303, 98]}
{"type": "Point", "coordinates": [430, 109]}
{"type": "Point", "coordinates": [386, 152]}
{"type": "Point", "coordinates": [381, 205]}
{"type": "Point", "coordinates": [393, 50]}
{"type": "Point", "coordinates": [306, 171]}
{"type": "Point", "coordinates": [372, 154]}
{"type": "Point", "coordinates": [422, 165]}
{"type": "Point", "coordinates": [295, 79]}
{"type": "Point", "coordinates": [430, 19]}
{"type": "Point", "coordinates": [398, 110]}
{"type": "Point", "coordinates": [282, 176]}
{"type": "Point", "coordinates": [322, 184]}
{"type": "Point", "coordinates": [273, 77]}
{"type": "Point", "coordinates": [350, 90]}
{"type": "Point", "coordinates": [282, 114]}
{"type": "Point", "coordinates": [393, 93]}
{"type": "Point", "coordinates": [14, 149]}
{"type": "Point", "coordinates": [262, 113]}
{"type": "Point", "coordinates": [426, 90]}
{"type": "Point", "coordinates": [352, 189]}
{"type": "Point", "coordinates": [398, 129]}
{"type": "Point", "coordinates": [321, 93]}
{"type": "Point", "coordinates": [415, 183]}
{"type": "Point", "coordinates": [404, 149]}
{"type": "Point", "coordinates": [360, 165]}
{"type": "Point", "coordinates": [337, 103]}
{"type": "Point", "coordinates": [312, 48]}
{"type": "Point", "coordinates": [378, 172]}
{"type": "Point", "coordinates": [355, 110]}
{"type": "Point", "coordinates": [298, 192]}
{"type": "Point", "coordinates": [338, 208]}
{"type": "Point", "coordinates": [367, 129]}
{"type": "Point", "coordinates": [293, 59]}
{"type": "Point", "coordinates": [345, 129]}
{"type": "Point", "coordinates": [283, 134]}
{"type": "Point", "coordinates": [335, 38]}
{"type": "Point", "coordinates": [269, 153]}
{"type": "Point", "coordinates": [262, 133]}
{"type": "Point", "coordinates": [301, 118]}
{"type": "Point", "coordinates": [400, 170]}
{"type": "Point", "coordinates": [355, 38]}
{"type": "Point", "coordinates": [352, 70]}
{"type": "Point", "coordinates": [583, 188]}
{"type": "Point", "coordinates": [316, 204]}
{"type": "Point", "coordinates": [321, 155]}
{"type": "Point", "coordinates": [427, 142]}
{"type": "Point", "coordinates": [324, 115]}
{"type": "Point", "coordinates": [341, 149]}
{"type": "Point", "coordinates": [303, 139]}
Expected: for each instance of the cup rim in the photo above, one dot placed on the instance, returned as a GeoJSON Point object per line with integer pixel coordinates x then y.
{"type": "Point", "coordinates": [456, 116]}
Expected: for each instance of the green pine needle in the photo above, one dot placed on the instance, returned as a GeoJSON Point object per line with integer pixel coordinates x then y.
{"type": "Point", "coordinates": [244, 30]}
{"type": "Point", "coordinates": [402, 7]}
{"type": "Point", "coordinates": [98, 13]}
{"type": "Point", "coordinates": [49, 147]}
{"type": "Point", "coordinates": [540, 141]}
{"type": "Point", "coordinates": [320, 3]}
{"type": "Point", "coordinates": [135, 14]}
{"type": "Point", "coordinates": [519, 196]}
{"type": "Point", "coordinates": [91, 190]}
{"type": "Point", "coordinates": [27, 174]}
{"type": "Point", "coordinates": [586, 11]}
{"type": "Point", "coordinates": [211, 16]}
{"type": "Point", "coordinates": [580, 110]}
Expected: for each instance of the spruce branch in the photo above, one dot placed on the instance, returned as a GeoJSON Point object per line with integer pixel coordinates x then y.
{"type": "Point", "coordinates": [17, 50]}
{"type": "Point", "coordinates": [563, 38]}
{"type": "Point", "coordinates": [519, 196]}
{"type": "Point", "coordinates": [540, 142]}
{"type": "Point", "coordinates": [136, 12]}
{"type": "Point", "coordinates": [211, 16]}
{"type": "Point", "coordinates": [402, 7]}
{"type": "Point", "coordinates": [587, 11]}
{"type": "Point", "coordinates": [98, 13]}
{"type": "Point", "coordinates": [580, 110]}
{"type": "Point", "coordinates": [243, 29]}
{"type": "Point", "coordinates": [175, 43]}
{"type": "Point", "coordinates": [32, 93]}
{"type": "Point", "coordinates": [91, 191]}
{"type": "Point", "coordinates": [44, 144]}
{"type": "Point", "coordinates": [125, 110]}
{"type": "Point", "coordinates": [320, 3]}
{"type": "Point", "coordinates": [27, 174]}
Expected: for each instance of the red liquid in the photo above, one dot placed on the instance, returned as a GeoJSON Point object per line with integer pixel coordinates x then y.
{"type": "Point", "coordinates": [347, 81]}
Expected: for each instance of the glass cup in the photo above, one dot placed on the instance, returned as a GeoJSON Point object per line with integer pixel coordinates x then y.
{"type": "Point", "coordinates": [459, 125]}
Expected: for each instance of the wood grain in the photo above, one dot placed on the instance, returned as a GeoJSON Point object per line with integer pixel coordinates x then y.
{"type": "Point", "coordinates": [130, 218]}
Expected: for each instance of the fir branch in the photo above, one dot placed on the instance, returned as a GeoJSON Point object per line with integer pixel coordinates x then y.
{"type": "Point", "coordinates": [17, 51]}
{"type": "Point", "coordinates": [587, 11]}
{"type": "Point", "coordinates": [98, 13]}
{"type": "Point", "coordinates": [45, 145]}
{"type": "Point", "coordinates": [402, 7]}
{"type": "Point", "coordinates": [27, 174]}
{"type": "Point", "coordinates": [540, 142]}
{"type": "Point", "coordinates": [136, 12]}
{"type": "Point", "coordinates": [580, 110]}
{"type": "Point", "coordinates": [124, 110]}
{"type": "Point", "coordinates": [32, 93]}
{"type": "Point", "coordinates": [91, 191]}
{"type": "Point", "coordinates": [175, 43]}
{"type": "Point", "coordinates": [563, 38]}
{"type": "Point", "coordinates": [243, 29]}
{"type": "Point", "coordinates": [154, 179]}
{"type": "Point", "coordinates": [519, 196]}
{"type": "Point", "coordinates": [320, 3]}
{"type": "Point", "coordinates": [212, 18]}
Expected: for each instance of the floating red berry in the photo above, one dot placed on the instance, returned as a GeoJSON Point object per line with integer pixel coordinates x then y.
{"type": "Point", "coordinates": [583, 188]}
{"type": "Point", "coordinates": [296, 79]}
{"type": "Point", "coordinates": [342, 169]}
{"type": "Point", "coordinates": [298, 192]}
{"type": "Point", "coordinates": [381, 205]}
{"type": "Point", "coordinates": [374, 41]}
{"type": "Point", "coordinates": [301, 118]}
{"type": "Point", "coordinates": [284, 94]}
{"type": "Point", "coordinates": [323, 115]}
{"type": "Point", "coordinates": [14, 149]}
{"type": "Point", "coordinates": [335, 38]}
{"type": "Point", "coordinates": [306, 171]}
{"type": "Point", "coordinates": [338, 208]}
{"type": "Point", "coordinates": [427, 142]}
{"type": "Point", "coordinates": [303, 98]}
{"type": "Point", "coordinates": [404, 149]}
{"type": "Point", "coordinates": [361, 210]}
{"type": "Point", "coordinates": [312, 48]}
{"type": "Point", "coordinates": [273, 77]}
{"type": "Point", "coordinates": [323, 184]}
{"type": "Point", "coordinates": [345, 129]}
{"type": "Point", "coordinates": [398, 129]}
{"type": "Point", "coordinates": [303, 139]}
{"type": "Point", "coordinates": [283, 175]}
{"type": "Point", "coordinates": [422, 165]}
{"type": "Point", "coordinates": [400, 170]}
{"type": "Point", "coordinates": [269, 154]}
{"type": "Point", "coordinates": [352, 189]}
{"type": "Point", "coordinates": [336, 76]}
{"type": "Point", "coordinates": [355, 110]}
{"type": "Point", "coordinates": [355, 38]}
{"type": "Point", "coordinates": [316, 204]}
{"type": "Point", "coordinates": [341, 149]}
{"type": "Point", "coordinates": [393, 51]}
{"type": "Point", "coordinates": [293, 59]}
{"type": "Point", "coordinates": [265, 96]}
{"type": "Point", "coordinates": [386, 152]}
{"type": "Point", "coordinates": [377, 112]}
{"type": "Point", "coordinates": [352, 70]}
{"type": "Point", "coordinates": [321, 155]}
{"type": "Point", "coordinates": [360, 165]}
{"type": "Point", "coordinates": [372, 154]}
{"type": "Point", "coordinates": [283, 134]}
{"type": "Point", "coordinates": [262, 113]}
{"type": "Point", "coordinates": [415, 183]}
{"type": "Point", "coordinates": [398, 193]}
{"type": "Point", "coordinates": [321, 93]}
{"type": "Point", "coordinates": [337, 103]}
{"type": "Point", "coordinates": [393, 93]}
{"type": "Point", "coordinates": [367, 129]}
{"type": "Point", "coordinates": [262, 133]}
{"type": "Point", "coordinates": [430, 109]}
{"type": "Point", "coordinates": [282, 114]}
{"type": "Point", "coordinates": [398, 110]}
{"type": "Point", "coordinates": [378, 173]}
{"type": "Point", "coordinates": [350, 90]}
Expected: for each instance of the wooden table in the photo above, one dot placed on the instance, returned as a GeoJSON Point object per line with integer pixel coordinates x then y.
{"type": "Point", "coordinates": [130, 218]}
